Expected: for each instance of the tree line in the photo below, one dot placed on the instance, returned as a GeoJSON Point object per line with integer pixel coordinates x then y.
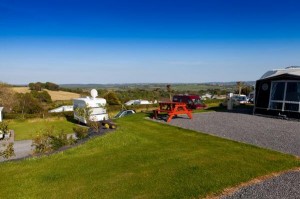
{"type": "Point", "coordinates": [38, 86]}
{"type": "Point", "coordinates": [23, 103]}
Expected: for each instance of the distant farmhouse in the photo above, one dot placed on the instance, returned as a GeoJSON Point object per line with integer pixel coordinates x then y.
{"type": "Point", "coordinates": [277, 93]}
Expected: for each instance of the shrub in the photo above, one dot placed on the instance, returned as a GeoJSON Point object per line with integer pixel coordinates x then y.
{"type": "Point", "coordinates": [48, 142]}
{"type": "Point", "coordinates": [41, 143]}
{"type": "Point", "coordinates": [59, 141]}
{"type": "Point", "coordinates": [8, 151]}
{"type": "Point", "coordinates": [81, 132]}
{"type": "Point", "coordinates": [42, 96]}
{"type": "Point", "coordinates": [95, 126]}
{"type": "Point", "coordinates": [4, 127]}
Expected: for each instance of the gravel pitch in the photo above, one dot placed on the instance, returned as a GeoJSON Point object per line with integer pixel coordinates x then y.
{"type": "Point", "coordinates": [282, 187]}
{"type": "Point", "coordinates": [275, 134]}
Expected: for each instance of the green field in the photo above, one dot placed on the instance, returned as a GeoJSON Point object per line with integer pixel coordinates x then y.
{"type": "Point", "coordinates": [141, 159]}
{"type": "Point", "coordinates": [27, 129]}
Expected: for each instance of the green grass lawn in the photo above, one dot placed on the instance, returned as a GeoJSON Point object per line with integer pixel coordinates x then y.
{"type": "Point", "coordinates": [27, 129]}
{"type": "Point", "coordinates": [141, 159]}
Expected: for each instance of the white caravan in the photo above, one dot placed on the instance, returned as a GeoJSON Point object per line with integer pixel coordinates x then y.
{"type": "Point", "coordinates": [96, 106]}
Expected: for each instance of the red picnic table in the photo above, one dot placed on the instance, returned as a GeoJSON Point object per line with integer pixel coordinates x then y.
{"type": "Point", "coordinates": [172, 109]}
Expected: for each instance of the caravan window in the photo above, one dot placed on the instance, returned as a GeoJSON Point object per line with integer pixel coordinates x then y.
{"type": "Point", "coordinates": [285, 96]}
{"type": "Point", "coordinates": [97, 111]}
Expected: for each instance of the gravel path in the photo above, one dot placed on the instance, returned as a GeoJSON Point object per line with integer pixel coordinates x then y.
{"type": "Point", "coordinates": [276, 134]}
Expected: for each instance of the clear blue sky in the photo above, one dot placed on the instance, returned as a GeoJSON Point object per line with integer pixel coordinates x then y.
{"type": "Point", "coordinates": [142, 41]}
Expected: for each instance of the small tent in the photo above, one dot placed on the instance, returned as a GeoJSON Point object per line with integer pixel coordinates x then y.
{"type": "Point", "coordinates": [277, 93]}
{"type": "Point", "coordinates": [1, 109]}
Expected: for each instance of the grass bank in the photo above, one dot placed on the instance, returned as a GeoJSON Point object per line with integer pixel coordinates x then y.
{"type": "Point", "coordinates": [141, 159]}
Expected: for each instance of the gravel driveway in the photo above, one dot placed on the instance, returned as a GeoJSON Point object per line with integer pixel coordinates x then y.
{"type": "Point", "coordinates": [279, 135]}
{"type": "Point", "coordinates": [276, 134]}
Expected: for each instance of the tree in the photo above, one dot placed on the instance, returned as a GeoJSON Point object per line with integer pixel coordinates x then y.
{"type": "Point", "coordinates": [247, 89]}
{"type": "Point", "coordinates": [42, 96]}
{"type": "Point", "coordinates": [239, 86]}
{"type": "Point", "coordinates": [7, 97]}
{"type": "Point", "coordinates": [28, 104]}
{"type": "Point", "coordinates": [112, 98]}
{"type": "Point", "coordinates": [51, 86]}
{"type": "Point", "coordinates": [169, 90]}
{"type": "Point", "coordinates": [36, 86]}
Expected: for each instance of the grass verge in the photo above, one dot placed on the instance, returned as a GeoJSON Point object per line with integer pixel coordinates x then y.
{"type": "Point", "coordinates": [142, 159]}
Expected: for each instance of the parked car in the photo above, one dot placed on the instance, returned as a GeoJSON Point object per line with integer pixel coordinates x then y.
{"type": "Point", "coordinates": [236, 100]}
{"type": "Point", "coordinates": [191, 101]}
{"type": "Point", "coordinates": [242, 99]}
{"type": "Point", "coordinates": [124, 113]}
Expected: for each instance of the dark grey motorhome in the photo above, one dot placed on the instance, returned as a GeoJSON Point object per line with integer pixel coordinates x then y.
{"type": "Point", "coordinates": [278, 93]}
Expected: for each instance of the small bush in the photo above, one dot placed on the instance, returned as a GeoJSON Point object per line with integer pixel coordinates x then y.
{"type": "Point", "coordinates": [48, 142]}
{"type": "Point", "coordinates": [41, 143]}
{"type": "Point", "coordinates": [8, 152]}
{"type": "Point", "coordinates": [4, 127]}
{"type": "Point", "coordinates": [95, 126]}
{"type": "Point", "coordinates": [81, 132]}
{"type": "Point", "coordinates": [59, 141]}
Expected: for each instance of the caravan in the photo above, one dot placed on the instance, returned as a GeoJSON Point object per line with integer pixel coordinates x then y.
{"type": "Point", "coordinates": [96, 107]}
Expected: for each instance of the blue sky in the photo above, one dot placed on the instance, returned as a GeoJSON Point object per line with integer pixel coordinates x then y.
{"type": "Point", "coordinates": [145, 41]}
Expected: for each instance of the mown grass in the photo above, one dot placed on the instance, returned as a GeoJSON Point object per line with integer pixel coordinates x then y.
{"type": "Point", "coordinates": [141, 159]}
{"type": "Point", "coordinates": [27, 129]}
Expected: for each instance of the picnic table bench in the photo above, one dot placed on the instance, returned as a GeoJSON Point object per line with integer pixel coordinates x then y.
{"type": "Point", "coordinates": [172, 109]}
